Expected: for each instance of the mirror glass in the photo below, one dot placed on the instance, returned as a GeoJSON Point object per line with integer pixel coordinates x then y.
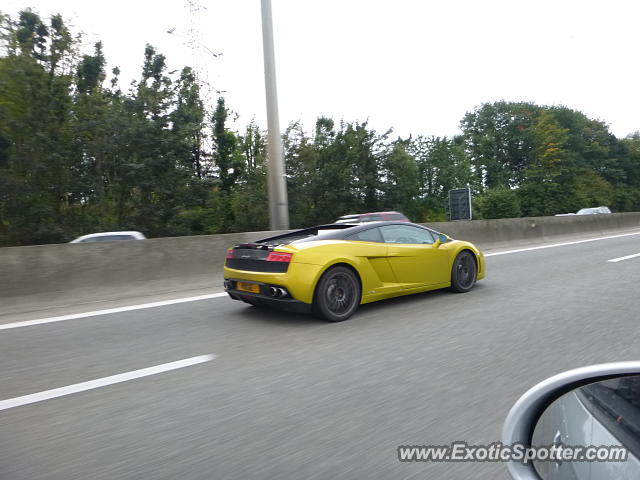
{"type": "Point", "coordinates": [605, 413]}
{"type": "Point", "coordinates": [443, 238]}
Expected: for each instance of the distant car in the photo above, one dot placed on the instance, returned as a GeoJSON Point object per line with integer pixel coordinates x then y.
{"type": "Point", "coordinates": [372, 217]}
{"type": "Point", "coordinates": [593, 211]}
{"type": "Point", "coordinates": [587, 211]}
{"type": "Point", "coordinates": [109, 237]}
{"type": "Point", "coordinates": [332, 269]}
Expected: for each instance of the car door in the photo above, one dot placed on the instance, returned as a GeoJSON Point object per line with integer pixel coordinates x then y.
{"type": "Point", "coordinates": [375, 250]}
{"type": "Point", "coordinates": [415, 259]}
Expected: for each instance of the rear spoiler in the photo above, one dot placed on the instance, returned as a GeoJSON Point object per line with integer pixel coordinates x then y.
{"type": "Point", "coordinates": [252, 245]}
{"type": "Point", "coordinates": [305, 231]}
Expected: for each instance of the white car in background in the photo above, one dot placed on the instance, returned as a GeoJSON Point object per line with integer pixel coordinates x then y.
{"type": "Point", "coordinates": [593, 211]}
{"type": "Point", "coordinates": [588, 211]}
{"type": "Point", "coordinates": [109, 237]}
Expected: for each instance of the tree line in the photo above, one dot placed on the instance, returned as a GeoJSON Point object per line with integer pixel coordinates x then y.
{"type": "Point", "coordinates": [80, 155]}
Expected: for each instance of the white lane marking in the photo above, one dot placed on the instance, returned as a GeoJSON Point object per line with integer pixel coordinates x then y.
{"type": "Point", "coordinates": [73, 316]}
{"type": "Point", "coordinates": [102, 382]}
{"type": "Point", "coordinates": [619, 259]}
{"type": "Point", "coordinates": [576, 242]}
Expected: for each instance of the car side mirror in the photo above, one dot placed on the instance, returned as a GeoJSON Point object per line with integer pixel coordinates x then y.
{"type": "Point", "coordinates": [580, 424]}
{"type": "Point", "coordinates": [442, 238]}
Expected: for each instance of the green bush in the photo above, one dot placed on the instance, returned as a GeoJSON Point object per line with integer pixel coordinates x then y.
{"type": "Point", "coordinates": [497, 202]}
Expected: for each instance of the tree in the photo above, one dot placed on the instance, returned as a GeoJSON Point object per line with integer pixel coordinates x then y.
{"type": "Point", "coordinates": [250, 195]}
{"type": "Point", "coordinates": [301, 158]}
{"type": "Point", "coordinates": [626, 197]}
{"type": "Point", "coordinates": [442, 165]}
{"type": "Point", "coordinates": [34, 118]}
{"type": "Point", "coordinates": [592, 190]}
{"type": "Point", "coordinates": [329, 158]}
{"type": "Point", "coordinates": [545, 190]}
{"type": "Point", "coordinates": [226, 155]}
{"type": "Point", "coordinates": [497, 138]}
{"type": "Point", "coordinates": [188, 125]}
{"type": "Point", "coordinates": [400, 185]}
{"type": "Point", "coordinates": [228, 158]}
{"type": "Point", "coordinates": [363, 149]}
{"type": "Point", "coordinates": [157, 186]}
{"type": "Point", "coordinates": [78, 156]}
{"type": "Point", "coordinates": [499, 202]}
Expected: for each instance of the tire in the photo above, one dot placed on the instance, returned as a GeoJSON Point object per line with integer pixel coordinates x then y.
{"type": "Point", "coordinates": [464, 272]}
{"type": "Point", "coordinates": [337, 294]}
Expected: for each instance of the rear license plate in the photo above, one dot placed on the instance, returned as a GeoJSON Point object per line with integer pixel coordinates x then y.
{"type": "Point", "coordinates": [248, 287]}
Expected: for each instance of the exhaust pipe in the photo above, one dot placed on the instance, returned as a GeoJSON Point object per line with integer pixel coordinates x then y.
{"type": "Point", "coordinates": [277, 292]}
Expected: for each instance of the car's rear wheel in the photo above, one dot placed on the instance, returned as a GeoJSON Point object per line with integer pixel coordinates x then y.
{"type": "Point", "coordinates": [464, 272]}
{"type": "Point", "coordinates": [337, 294]}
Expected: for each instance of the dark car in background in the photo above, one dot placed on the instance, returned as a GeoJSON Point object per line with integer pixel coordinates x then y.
{"type": "Point", "coordinates": [372, 217]}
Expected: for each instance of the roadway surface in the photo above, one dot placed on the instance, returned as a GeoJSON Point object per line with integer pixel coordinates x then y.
{"type": "Point", "coordinates": [290, 397]}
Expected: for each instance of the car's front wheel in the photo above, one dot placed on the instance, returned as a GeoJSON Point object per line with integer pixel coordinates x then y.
{"type": "Point", "coordinates": [337, 294]}
{"type": "Point", "coordinates": [464, 272]}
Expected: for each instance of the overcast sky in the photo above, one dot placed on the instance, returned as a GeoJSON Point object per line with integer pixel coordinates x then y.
{"type": "Point", "coordinates": [416, 66]}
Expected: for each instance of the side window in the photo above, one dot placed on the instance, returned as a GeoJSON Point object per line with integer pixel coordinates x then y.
{"type": "Point", "coordinates": [371, 218]}
{"type": "Point", "coordinates": [111, 238]}
{"type": "Point", "coordinates": [371, 235]}
{"type": "Point", "coordinates": [406, 234]}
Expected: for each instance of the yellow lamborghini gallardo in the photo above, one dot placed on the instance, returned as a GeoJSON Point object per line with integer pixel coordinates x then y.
{"type": "Point", "coordinates": [331, 269]}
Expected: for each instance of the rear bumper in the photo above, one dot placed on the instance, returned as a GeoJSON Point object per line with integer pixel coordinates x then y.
{"type": "Point", "coordinates": [299, 279]}
{"type": "Point", "coordinates": [289, 304]}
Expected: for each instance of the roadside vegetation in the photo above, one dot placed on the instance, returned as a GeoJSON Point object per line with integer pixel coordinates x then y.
{"type": "Point", "coordinates": [80, 153]}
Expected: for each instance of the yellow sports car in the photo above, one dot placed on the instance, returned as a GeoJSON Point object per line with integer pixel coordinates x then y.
{"type": "Point", "coordinates": [331, 269]}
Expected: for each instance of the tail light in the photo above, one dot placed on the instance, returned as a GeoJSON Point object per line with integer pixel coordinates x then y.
{"type": "Point", "coordinates": [230, 253]}
{"type": "Point", "coordinates": [279, 257]}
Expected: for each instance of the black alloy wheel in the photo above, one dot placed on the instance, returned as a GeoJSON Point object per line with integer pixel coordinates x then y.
{"type": "Point", "coordinates": [337, 294]}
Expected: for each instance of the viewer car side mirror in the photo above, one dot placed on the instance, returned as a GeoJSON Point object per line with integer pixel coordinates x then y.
{"type": "Point", "coordinates": [588, 420]}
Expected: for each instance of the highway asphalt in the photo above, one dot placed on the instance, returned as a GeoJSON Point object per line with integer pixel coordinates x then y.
{"type": "Point", "coordinates": [287, 396]}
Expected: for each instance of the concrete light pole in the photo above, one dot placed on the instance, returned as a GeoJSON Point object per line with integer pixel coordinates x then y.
{"type": "Point", "coordinates": [277, 185]}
